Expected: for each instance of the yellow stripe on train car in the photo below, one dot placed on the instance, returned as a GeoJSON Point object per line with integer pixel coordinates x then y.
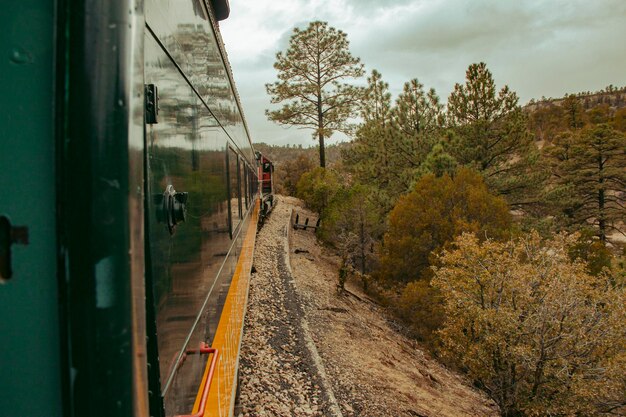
{"type": "Point", "coordinates": [229, 332]}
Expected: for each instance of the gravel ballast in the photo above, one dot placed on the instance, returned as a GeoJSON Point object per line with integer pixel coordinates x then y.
{"type": "Point", "coordinates": [308, 351]}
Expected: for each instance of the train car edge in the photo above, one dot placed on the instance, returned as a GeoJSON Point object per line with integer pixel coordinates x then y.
{"type": "Point", "coordinates": [142, 210]}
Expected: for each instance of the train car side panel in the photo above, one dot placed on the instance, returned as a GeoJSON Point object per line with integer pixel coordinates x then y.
{"type": "Point", "coordinates": [230, 330]}
{"type": "Point", "coordinates": [199, 159]}
{"type": "Point", "coordinates": [130, 213]}
{"type": "Point", "coordinates": [101, 210]}
{"type": "Point", "coordinates": [29, 326]}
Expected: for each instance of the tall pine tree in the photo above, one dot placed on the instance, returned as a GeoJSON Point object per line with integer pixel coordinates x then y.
{"type": "Point", "coordinates": [489, 133]}
{"type": "Point", "coordinates": [590, 170]}
{"type": "Point", "coordinates": [418, 119]}
{"type": "Point", "coordinates": [309, 81]}
{"type": "Point", "coordinates": [393, 142]}
{"type": "Point", "coordinates": [370, 158]}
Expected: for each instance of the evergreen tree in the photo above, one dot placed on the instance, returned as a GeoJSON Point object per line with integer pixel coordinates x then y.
{"type": "Point", "coordinates": [574, 112]}
{"type": "Point", "coordinates": [309, 80]}
{"type": "Point", "coordinates": [438, 162]}
{"type": "Point", "coordinates": [590, 170]}
{"type": "Point", "coordinates": [417, 112]}
{"type": "Point", "coordinates": [376, 102]}
{"type": "Point", "coordinates": [489, 133]}
{"type": "Point", "coordinates": [370, 158]}
{"type": "Point", "coordinates": [418, 120]}
{"type": "Point", "coordinates": [393, 142]}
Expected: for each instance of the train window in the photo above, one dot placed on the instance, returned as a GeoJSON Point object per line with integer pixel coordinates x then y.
{"type": "Point", "coordinates": [234, 189]}
{"type": "Point", "coordinates": [251, 185]}
{"type": "Point", "coordinates": [250, 182]}
{"type": "Point", "coordinates": [245, 185]}
{"type": "Point", "coordinates": [242, 187]}
{"type": "Point", "coordinates": [255, 183]}
{"type": "Point", "coordinates": [250, 176]}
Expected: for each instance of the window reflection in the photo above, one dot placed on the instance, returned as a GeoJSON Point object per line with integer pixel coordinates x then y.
{"type": "Point", "coordinates": [187, 148]}
{"type": "Point", "coordinates": [188, 37]}
{"type": "Point", "coordinates": [234, 189]}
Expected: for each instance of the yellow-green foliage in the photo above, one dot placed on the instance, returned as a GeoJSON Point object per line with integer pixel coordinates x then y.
{"type": "Point", "coordinates": [540, 334]}
{"type": "Point", "coordinates": [317, 188]}
{"type": "Point", "coordinates": [433, 214]}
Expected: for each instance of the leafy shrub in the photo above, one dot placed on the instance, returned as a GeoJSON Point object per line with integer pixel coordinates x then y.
{"type": "Point", "coordinates": [537, 332]}
{"type": "Point", "coordinates": [421, 309]}
{"type": "Point", "coordinates": [317, 188]}
{"type": "Point", "coordinates": [433, 214]}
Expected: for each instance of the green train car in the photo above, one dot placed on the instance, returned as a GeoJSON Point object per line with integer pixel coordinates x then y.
{"type": "Point", "coordinates": [129, 207]}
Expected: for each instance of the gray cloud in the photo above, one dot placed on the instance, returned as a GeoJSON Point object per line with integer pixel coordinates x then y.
{"type": "Point", "coordinates": [536, 47]}
{"type": "Point", "coordinates": [525, 43]}
{"type": "Point", "coordinates": [373, 7]}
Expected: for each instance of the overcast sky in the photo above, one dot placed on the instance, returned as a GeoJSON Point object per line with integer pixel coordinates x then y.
{"type": "Point", "coordinates": [537, 47]}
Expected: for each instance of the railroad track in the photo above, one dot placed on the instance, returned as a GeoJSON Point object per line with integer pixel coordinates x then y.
{"type": "Point", "coordinates": [308, 351]}
{"type": "Point", "coordinates": [282, 373]}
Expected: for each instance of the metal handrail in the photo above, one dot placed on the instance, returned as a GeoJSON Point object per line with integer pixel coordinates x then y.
{"type": "Point", "coordinates": [204, 349]}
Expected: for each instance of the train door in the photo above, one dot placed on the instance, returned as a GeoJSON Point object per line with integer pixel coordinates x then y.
{"type": "Point", "coordinates": [71, 212]}
{"type": "Point", "coordinates": [30, 369]}
{"type": "Point", "coordinates": [100, 193]}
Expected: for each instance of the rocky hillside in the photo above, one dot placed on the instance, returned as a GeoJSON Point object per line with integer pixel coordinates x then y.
{"type": "Point", "coordinates": [613, 97]}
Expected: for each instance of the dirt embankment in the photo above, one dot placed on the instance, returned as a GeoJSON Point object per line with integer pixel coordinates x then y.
{"type": "Point", "coordinates": [308, 351]}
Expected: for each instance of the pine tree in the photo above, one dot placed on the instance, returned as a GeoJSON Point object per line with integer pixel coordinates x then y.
{"type": "Point", "coordinates": [590, 165]}
{"type": "Point", "coordinates": [417, 112]}
{"type": "Point", "coordinates": [438, 162]}
{"type": "Point", "coordinates": [418, 119]}
{"type": "Point", "coordinates": [376, 103]}
{"type": "Point", "coordinates": [309, 81]}
{"type": "Point", "coordinates": [574, 112]}
{"type": "Point", "coordinates": [370, 158]}
{"type": "Point", "coordinates": [489, 133]}
{"type": "Point", "coordinates": [393, 142]}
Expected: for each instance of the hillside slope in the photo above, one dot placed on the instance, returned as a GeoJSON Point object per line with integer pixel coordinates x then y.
{"type": "Point", "coordinates": [311, 352]}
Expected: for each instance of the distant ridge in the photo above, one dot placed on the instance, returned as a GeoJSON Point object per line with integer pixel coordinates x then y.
{"type": "Point", "coordinates": [614, 97]}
